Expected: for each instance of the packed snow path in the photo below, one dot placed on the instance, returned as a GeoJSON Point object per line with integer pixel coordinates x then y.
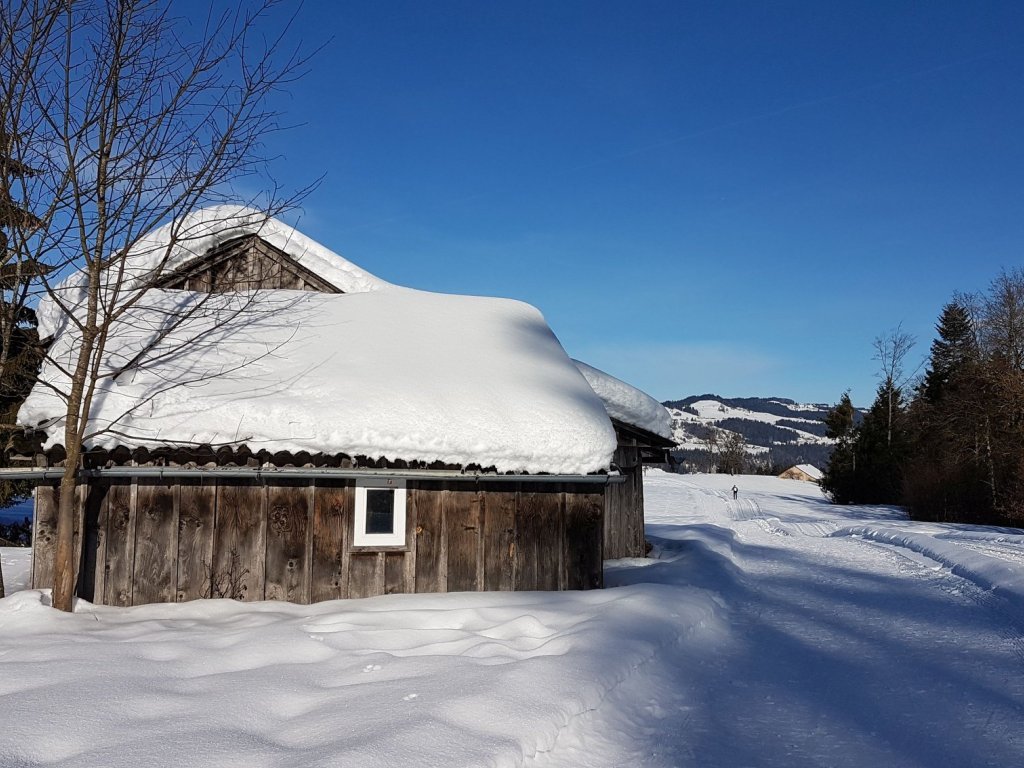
{"type": "Point", "coordinates": [773, 630]}
{"type": "Point", "coordinates": [840, 650]}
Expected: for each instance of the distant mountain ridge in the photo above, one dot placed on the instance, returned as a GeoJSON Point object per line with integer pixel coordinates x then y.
{"type": "Point", "coordinates": [777, 406]}
{"type": "Point", "coordinates": [778, 432]}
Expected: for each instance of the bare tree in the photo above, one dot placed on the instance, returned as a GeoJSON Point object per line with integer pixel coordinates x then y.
{"type": "Point", "coordinates": [131, 118]}
{"type": "Point", "coordinates": [891, 350]}
{"type": "Point", "coordinates": [733, 456]}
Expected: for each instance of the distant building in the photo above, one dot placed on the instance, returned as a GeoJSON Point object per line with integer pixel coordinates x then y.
{"type": "Point", "coordinates": [806, 472]}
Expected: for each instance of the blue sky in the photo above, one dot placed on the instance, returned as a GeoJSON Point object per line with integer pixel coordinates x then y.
{"type": "Point", "coordinates": [701, 197]}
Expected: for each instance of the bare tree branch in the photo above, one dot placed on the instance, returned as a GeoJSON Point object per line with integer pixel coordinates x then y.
{"type": "Point", "coordinates": [131, 119]}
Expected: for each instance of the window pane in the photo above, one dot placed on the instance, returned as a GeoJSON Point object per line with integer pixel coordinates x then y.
{"type": "Point", "coordinates": [380, 510]}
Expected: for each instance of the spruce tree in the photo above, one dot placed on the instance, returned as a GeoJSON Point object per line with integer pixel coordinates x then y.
{"type": "Point", "coordinates": [881, 449]}
{"type": "Point", "coordinates": [953, 349]}
{"type": "Point", "coordinates": [945, 472]}
{"type": "Point", "coordinates": [839, 476]}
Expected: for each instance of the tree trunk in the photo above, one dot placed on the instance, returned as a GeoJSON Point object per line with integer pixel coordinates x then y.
{"type": "Point", "coordinates": [64, 555]}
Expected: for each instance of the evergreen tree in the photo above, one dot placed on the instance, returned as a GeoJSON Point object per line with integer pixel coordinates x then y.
{"type": "Point", "coordinates": [881, 448]}
{"type": "Point", "coordinates": [946, 463]}
{"type": "Point", "coordinates": [953, 349]}
{"type": "Point", "coordinates": [838, 477]}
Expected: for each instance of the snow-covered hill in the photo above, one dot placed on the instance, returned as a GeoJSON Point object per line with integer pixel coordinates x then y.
{"type": "Point", "coordinates": [773, 428]}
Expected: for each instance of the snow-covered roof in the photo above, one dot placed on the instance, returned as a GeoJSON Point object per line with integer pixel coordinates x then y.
{"type": "Point", "coordinates": [627, 403]}
{"type": "Point", "coordinates": [811, 471]}
{"type": "Point", "coordinates": [191, 237]}
{"type": "Point", "coordinates": [390, 372]}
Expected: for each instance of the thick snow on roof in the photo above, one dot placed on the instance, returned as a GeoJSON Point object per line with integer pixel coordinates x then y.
{"type": "Point", "coordinates": [627, 403]}
{"type": "Point", "coordinates": [393, 372]}
{"type": "Point", "coordinates": [192, 236]}
{"type": "Point", "coordinates": [810, 470]}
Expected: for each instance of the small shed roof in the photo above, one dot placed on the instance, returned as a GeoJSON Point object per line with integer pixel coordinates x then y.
{"type": "Point", "coordinates": [627, 403]}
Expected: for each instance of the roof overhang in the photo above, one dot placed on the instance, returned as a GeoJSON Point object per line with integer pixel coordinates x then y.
{"type": "Point", "coordinates": [263, 475]}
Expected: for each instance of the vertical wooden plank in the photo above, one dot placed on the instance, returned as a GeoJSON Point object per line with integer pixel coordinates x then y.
{"type": "Point", "coordinates": [409, 560]}
{"type": "Point", "coordinates": [196, 505]}
{"type": "Point", "coordinates": [202, 282]}
{"type": "Point", "coordinates": [310, 491]}
{"type": "Point", "coordinates": [253, 272]}
{"type": "Point", "coordinates": [85, 586]}
{"type": "Point", "coordinates": [538, 539]}
{"type": "Point", "coordinates": [94, 545]}
{"type": "Point", "coordinates": [562, 577]}
{"type": "Point", "coordinates": [394, 573]}
{"type": "Point", "coordinates": [270, 270]}
{"type": "Point", "coordinates": [639, 537]}
{"type": "Point", "coordinates": [584, 540]}
{"type": "Point", "coordinates": [332, 522]}
{"type": "Point", "coordinates": [239, 551]}
{"type": "Point", "coordinates": [366, 574]}
{"type": "Point", "coordinates": [119, 557]}
{"type": "Point", "coordinates": [499, 531]}
{"type": "Point", "coordinates": [44, 538]}
{"type": "Point", "coordinates": [78, 537]}
{"type": "Point", "coordinates": [156, 543]}
{"type": "Point", "coordinates": [462, 521]}
{"type": "Point", "coordinates": [431, 542]}
{"type": "Point", "coordinates": [288, 513]}
{"type": "Point", "coordinates": [290, 280]}
{"type": "Point", "coordinates": [617, 504]}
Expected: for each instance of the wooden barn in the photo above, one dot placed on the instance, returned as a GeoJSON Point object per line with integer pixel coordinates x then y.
{"type": "Point", "coordinates": [806, 472]}
{"type": "Point", "coordinates": [315, 433]}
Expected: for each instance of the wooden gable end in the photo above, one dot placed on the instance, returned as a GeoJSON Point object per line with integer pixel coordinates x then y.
{"type": "Point", "coordinates": [244, 264]}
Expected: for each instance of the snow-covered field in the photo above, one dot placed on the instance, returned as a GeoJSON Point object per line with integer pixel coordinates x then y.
{"type": "Point", "coordinates": [774, 630]}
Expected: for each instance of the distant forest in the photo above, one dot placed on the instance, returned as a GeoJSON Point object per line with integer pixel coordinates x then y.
{"type": "Point", "coordinates": [778, 459]}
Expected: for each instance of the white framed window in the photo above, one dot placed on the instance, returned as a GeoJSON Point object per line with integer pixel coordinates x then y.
{"type": "Point", "coordinates": [380, 513]}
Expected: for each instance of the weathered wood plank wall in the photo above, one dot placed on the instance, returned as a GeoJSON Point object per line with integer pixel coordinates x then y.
{"type": "Point", "coordinates": [245, 264]}
{"type": "Point", "coordinates": [154, 541]}
{"type": "Point", "coordinates": [624, 507]}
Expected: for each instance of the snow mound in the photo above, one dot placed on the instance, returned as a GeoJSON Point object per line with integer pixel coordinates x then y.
{"type": "Point", "coordinates": [1003, 577]}
{"type": "Point", "coordinates": [462, 679]}
{"type": "Point", "coordinates": [192, 236]}
{"type": "Point", "coordinates": [393, 372]}
{"type": "Point", "coordinates": [627, 403]}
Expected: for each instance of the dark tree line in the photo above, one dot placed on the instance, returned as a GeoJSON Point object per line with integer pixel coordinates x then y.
{"type": "Point", "coordinates": [950, 448]}
{"type": "Point", "coordinates": [16, 534]}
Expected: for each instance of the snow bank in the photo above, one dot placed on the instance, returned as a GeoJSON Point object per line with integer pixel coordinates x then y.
{"type": "Point", "coordinates": [192, 236]}
{"type": "Point", "coordinates": [1003, 577]}
{"type": "Point", "coordinates": [466, 679]}
{"type": "Point", "coordinates": [17, 565]}
{"type": "Point", "coordinates": [627, 403]}
{"type": "Point", "coordinates": [393, 372]}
